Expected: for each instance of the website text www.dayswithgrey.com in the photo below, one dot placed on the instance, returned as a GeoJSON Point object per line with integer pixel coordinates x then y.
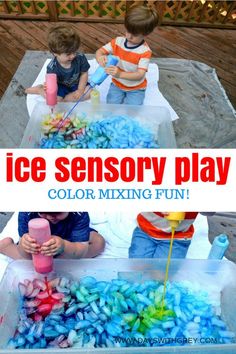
{"type": "Point", "coordinates": [129, 341]}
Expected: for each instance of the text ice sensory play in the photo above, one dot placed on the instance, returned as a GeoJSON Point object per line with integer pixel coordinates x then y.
{"type": "Point", "coordinates": [96, 169]}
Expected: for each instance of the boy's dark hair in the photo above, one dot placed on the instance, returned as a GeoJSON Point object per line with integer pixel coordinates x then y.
{"type": "Point", "coordinates": [141, 20]}
{"type": "Point", "coordinates": [50, 212]}
{"type": "Point", "coordinates": [63, 39]}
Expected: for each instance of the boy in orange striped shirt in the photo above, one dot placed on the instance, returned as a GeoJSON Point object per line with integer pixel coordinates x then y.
{"type": "Point", "coordinates": [151, 239]}
{"type": "Point", "coordinates": [128, 77]}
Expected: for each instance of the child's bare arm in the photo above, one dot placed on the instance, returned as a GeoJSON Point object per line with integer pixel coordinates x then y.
{"type": "Point", "coordinates": [83, 81]}
{"type": "Point", "coordinates": [75, 249]}
{"type": "Point", "coordinates": [74, 96]}
{"type": "Point", "coordinates": [133, 76]}
{"type": "Point", "coordinates": [101, 57]}
{"type": "Point", "coordinates": [64, 248]}
{"type": "Point", "coordinates": [37, 90]}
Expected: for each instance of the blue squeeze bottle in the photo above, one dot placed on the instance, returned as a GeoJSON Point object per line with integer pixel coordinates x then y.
{"type": "Point", "coordinates": [219, 246]}
{"type": "Point", "coordinates": [96, 79]}
{"type": "Point", "coordinates": [100, 75]}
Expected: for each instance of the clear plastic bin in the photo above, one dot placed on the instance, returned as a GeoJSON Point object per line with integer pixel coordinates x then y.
{"type": "Point", "coordinates": [156, 119]}
{"type": "Point", "coordinates": [216, 277]}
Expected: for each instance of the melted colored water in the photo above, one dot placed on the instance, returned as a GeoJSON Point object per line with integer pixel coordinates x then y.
{"type": "Point", "coordinates": [89, 313]}
{"type": "Point", "coordinates": [116, 131]}
{"type": "Point", "coordinates": [47, 301]}
{"type": "Point", "coordinates": [167, 270]}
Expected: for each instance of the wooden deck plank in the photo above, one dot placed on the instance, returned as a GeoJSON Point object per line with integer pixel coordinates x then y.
{"type": "Point", "coordinates": [14, 48]}
{"type": "Point", "coordinates": [226, 42]}
{"type": "Point", "coordinates": [18, 35]}
{"type": "Point", "coordinates": [10, 61]}
{"type": "Point", "coordinates": [38, 35]}
{"type": "Point", "coordinates": [107, 34]}
{"type": "Point", "coordinates": [216, 51]}
{"type": "Point", "coordinates": [188, 50]}
{"type": "Point", "coordinates": [214, 47]}
{"type": "Point", "coordinates": [5, 74]}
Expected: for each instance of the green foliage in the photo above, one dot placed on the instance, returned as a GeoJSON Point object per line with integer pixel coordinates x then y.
{"type": "Point", "coordinates": [78, 12]}
{"type": "Point", "coordinates": [41, 4]}
{"type": "Point", "coordinates": [27, 4]}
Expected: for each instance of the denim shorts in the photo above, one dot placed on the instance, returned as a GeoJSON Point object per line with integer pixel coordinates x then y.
{"type": "Point", "coordinates": [144, 246]}
{"type": "Point", "coordinates": [63, 90]}
{"type": "Point", "coordinates": [117, 96]}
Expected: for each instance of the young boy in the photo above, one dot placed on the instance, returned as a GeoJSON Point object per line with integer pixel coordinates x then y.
{"type": "Point", "coordinates": [129, 83]}
{"type": "Point", "coordinates": [70, 66]}
{"type": "Point", "coordinates": [71, 237]}
{"type": "Point", "coordinates": [151, 239]}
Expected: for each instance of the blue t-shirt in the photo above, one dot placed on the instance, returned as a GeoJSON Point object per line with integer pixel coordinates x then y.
{"type": "Point", "coordinates": [69, 77]}
{"type": "Point", "coordinates": [74, 228]}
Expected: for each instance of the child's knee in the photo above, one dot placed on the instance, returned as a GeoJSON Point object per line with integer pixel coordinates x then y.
{"type": "Point", "coordinates": [134, 246]}
{"type": "Point", "coordinates": [100, 242]}
{"type": "Point", "coordinates": [96, 242]}
{"type": "Point", "coordinates": [5, 242]}
{"type": "Point", "coordinates": [131, 251]}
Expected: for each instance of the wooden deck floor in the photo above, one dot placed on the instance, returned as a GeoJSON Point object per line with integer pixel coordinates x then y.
{"type": "Point", "coordinates": [215, 47]}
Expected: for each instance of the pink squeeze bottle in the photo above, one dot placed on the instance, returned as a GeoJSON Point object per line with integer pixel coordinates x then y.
{"type": "Point", "coordinates": [39, 229]}
{"type": "Point", "coordinates": [51, 90]}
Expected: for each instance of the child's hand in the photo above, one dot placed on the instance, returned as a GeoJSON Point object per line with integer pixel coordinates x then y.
{"type": "Point", "coordinates": [29, 244]}
{"type": "Point", "coordinates": [52, 247]}
{"type": "Point", "coordinates": [113, 71]}
{"type": "Point", "coordinates": [78, 93]}
{"type": "Point", "coordinates": [102, 60]}
{"type": "Point", "coordinates": [72, 97]}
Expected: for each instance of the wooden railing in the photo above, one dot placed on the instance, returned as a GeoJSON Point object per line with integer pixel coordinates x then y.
{"type": "Point", "coordinates": [199, 13]}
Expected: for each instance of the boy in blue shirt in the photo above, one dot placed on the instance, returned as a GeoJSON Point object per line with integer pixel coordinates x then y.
{"type": "Point", "coordinates": [71, 237]}
{"type": "Point", "coordinates": [70, 66]}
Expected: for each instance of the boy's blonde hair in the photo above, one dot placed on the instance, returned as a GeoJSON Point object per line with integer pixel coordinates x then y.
{"type": "Point", "coordinates": [141, 20]}
{"type": "Point", "coordinates": [63, 39]}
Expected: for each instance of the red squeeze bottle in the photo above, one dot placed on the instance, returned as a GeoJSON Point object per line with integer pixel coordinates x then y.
{"type": "Point", "coordinates": [51, 90]}
{"type": "Point", "coordinates": [39, 229]}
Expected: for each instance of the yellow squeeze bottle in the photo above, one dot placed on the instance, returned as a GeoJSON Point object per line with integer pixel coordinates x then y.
{"type": "Point", "coordinates": [95, 97]}
{"type": "Point", "coordinates": [174, 219]}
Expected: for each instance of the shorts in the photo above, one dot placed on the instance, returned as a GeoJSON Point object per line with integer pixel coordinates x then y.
{"type": "Point", "coordinates": [63, 90]}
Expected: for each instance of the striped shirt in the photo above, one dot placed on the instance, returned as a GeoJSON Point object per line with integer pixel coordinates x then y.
{"type": "Point", "coordinates": [157, 226]}
{"type": "Point", "coordinates": [130, 60]}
